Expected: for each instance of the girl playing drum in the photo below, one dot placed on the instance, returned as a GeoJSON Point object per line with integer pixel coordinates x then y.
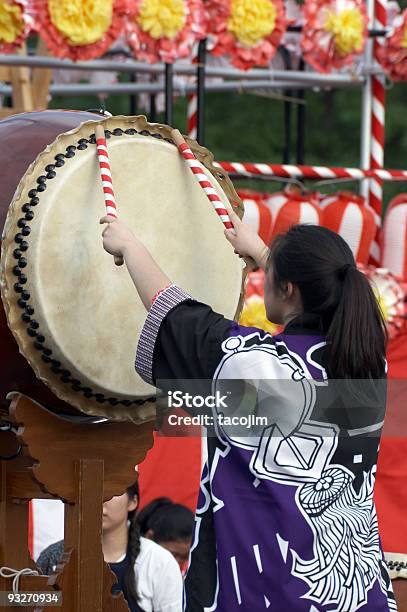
{"type": "Point", "coordinates": [285, 517]}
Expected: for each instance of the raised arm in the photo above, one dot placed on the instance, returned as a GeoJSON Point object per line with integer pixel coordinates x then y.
{"type": "Point", "coordinates": [146, 274]}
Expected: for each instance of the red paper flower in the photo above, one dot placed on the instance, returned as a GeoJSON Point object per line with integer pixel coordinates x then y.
{"type": "Point", "coordinates": [393, 54]}
{"type": "Point", "coordinates": [334, 33]}
{"type": "Point", "coordinates": [16, 21]}
{"type": "Point", "coordinates": [248, 31]}
{"type": "Point", "coordinates": [165, 30]}
{"type": "Point", "coordinates": [81, 29]}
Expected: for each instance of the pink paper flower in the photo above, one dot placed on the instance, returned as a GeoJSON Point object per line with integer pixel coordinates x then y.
{"type": "Point", "coordinates": [334, 33]}
{"type": "Point", "coordinates": [390, 293]}
{"type": "Point", "coordinates": [165, 30]}
{"type": "Point", "coordinates": [393, 54]}
{"type": "Point", "coordinates": [248, 31]}
{"type": "Point", "coordinates": [81, 29]}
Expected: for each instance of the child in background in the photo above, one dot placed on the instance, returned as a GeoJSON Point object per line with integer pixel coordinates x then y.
{"type": "Point", "coordinates": [170, 525]}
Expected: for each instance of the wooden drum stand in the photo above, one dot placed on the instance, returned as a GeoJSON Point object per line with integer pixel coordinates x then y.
{"type": "Point", "coordinates": [81, 464]}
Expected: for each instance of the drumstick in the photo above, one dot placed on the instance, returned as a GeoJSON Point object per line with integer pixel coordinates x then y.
{"type": "Point", "coordinates": [206, 185]}
{"type": "Point", "coordinates": [202, 179]}
{"type": "Point", "coordinates": [106, 176]}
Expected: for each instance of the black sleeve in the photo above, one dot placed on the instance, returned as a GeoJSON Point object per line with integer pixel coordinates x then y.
{"type": "Point", "coordinates": [189, 342]}
{"type": "Point", "coordinates": [181, 339]}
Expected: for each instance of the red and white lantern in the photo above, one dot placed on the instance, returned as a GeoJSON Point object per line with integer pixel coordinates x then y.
{"type": "Point", "coordinates": [256, 213]}
{"type": "Point", "coordinates": [394, 238]}
{"type": "Point", "coordinates": [347, 214]}
{"type": "Point", "coordinates": [292, 207]}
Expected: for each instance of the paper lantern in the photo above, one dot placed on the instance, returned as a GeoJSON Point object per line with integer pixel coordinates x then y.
{"type": "Point", "coordinates": [165, 30]}
{"type": "Point", "coordinates": [393, 53]}
{"type": "Point", "coordinates": [254, 311]}
{"type": "Point", "coordinates": [16, 21]}
{"type": "Point", "coordinates": [256, 213]}
{"type": "Point", "coordinates": [248, 31]}
{"type": "Point", "coordinates": [394, 237]}
{"type": "Point", "coordinates": [291, 207]}
{"type": "Point", "coordinates": [81, 29]}
{"type": "Point", "coordinates": [334, 33]}
{"type": "Point", "coordinates": [347, 214]}
{"type": "Point", "coordinates": [391, 295]}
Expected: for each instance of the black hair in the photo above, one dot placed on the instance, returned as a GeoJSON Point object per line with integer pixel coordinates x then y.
{"type": "Point", "coordinates": [168, 521]}
{"type": "Point", "coordinates": [133, 544]}
{"type": "Point", "coordinates": [322, 265]}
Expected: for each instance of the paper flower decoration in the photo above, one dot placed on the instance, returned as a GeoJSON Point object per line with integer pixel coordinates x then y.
{"type": "Point", "coordinates": [16, 21]}
{"type": "Point", "coordinates": [248, 31]}
{"type": "Point", "coordinates": [391, 295]}
{"type": "Point", "coordinates": [334, 33]}
{"type": "Point", "coordinates": [165, 30]}
{"type": "Point", "coordinates": [81, 29]}
{"type": "Point", "coordinates": [393, 54]}
{"type": "Point", "coordinates": [254, 311]}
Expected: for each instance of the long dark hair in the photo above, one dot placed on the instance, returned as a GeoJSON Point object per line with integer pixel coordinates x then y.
{"type": "Point", "coordinates": [168, 521]}
{"type": "Point", "coordinates": [322, 265]}
{"type": "Point", "coordinates": [133, 544]}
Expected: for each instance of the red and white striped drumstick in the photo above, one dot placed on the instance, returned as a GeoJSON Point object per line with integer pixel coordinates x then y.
{"type": "Point", "coordinates": [204, 182]}
{"type": "Point", "coordinates": [201, 177]}
{"type": "Point", "coordinates": [106, 176]}
{"type": "Point", "coordinates": [105, 173]}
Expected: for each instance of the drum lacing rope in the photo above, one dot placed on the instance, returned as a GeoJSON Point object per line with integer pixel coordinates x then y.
{"type": "Point", "coordinates": [8, 572]}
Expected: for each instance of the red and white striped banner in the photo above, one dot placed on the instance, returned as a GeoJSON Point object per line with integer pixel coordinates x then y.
{"type": "Point", "coordinates": [378, 135]}
{"type": "Point", "coordinates": [106, 176]}
{"type": "Point", "coordinates": [206, 185]}
{"type": "Point", "coordinates": [310, 172]}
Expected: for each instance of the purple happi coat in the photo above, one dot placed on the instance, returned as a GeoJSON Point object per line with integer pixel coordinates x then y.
{"type": "Point", "coordinates": [285, 519]}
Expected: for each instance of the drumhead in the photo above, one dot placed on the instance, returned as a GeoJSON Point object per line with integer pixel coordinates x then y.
{"type": "Point", "coordinates": [76, 316]}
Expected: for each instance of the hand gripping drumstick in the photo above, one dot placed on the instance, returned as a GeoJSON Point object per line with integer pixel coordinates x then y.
{"type": "Point", "coordinates": [106, 176]}
{"type": "Point", "coordinates": [206, 185]}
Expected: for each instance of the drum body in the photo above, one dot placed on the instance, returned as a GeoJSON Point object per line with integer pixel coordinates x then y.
{"type": "Point", "coordinates": [76, 316]}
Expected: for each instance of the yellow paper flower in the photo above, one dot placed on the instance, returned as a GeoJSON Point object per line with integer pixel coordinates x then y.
{"type": "Point", "coordinates": [162, 18]}
{"type": "Point", "coordinates": [404, 39]}
{"type": "Point", "coordinates": [252, 20]}
{"type": "Point", "coordinates": [82, 22]}
{"type": "Point", "coordinates": [347, 27]}
{"type": "Point", "coordinates": [383, 305]}
{"type": "Point", "coordinates": [254, 315]}
{"type": "Point", "coordinates": [11, 22]}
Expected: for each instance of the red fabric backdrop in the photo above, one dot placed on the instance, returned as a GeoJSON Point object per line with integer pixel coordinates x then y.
{"type": "Point", "coordinates": [172, 469]}
{"type": "Point", "coordinates": [391, 483]}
